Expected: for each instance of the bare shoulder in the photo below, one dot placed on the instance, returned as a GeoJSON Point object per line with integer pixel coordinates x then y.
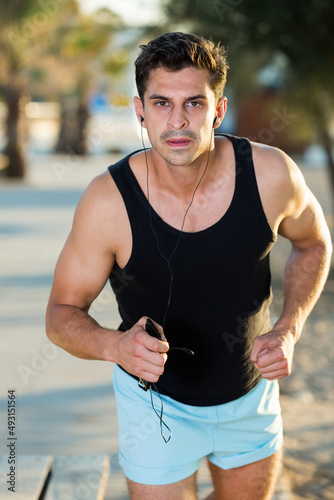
{"type": "Point", "coordinates": [100, 216]}
{"type": "Point", "coordinates": [101, 193]}
{"type": "Point", "coordinates": [290, 206]}
{"type": "Point", "coordinates": [282, 187]}
{"type": "Point", "coordinates": [274, 165]}
{"type": "Point", "coordinates": [100, 202]}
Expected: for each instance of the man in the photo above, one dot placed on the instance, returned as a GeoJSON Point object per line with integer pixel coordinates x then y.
{"type": "Point", "coordinates": [184, 232]}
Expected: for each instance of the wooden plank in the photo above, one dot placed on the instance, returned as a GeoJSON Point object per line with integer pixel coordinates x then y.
{"type": "Point", "coordinates": [31, 473]}
{"type": "Point", "coordinates": [79, 477]}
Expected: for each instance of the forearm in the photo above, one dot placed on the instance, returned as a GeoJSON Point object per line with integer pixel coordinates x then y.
{"type": "Point", "coordinates": [305, 274]}
{"type": "Point", "coordinates": [78, 333]}
{"type": "Point", "coordinates": [74, 330]}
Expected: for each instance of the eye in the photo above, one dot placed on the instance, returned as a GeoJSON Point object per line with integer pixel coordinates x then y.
{"type": "Point", "coordinates": [194, 104]}
{"type": "Point", "coordinates": [162, 104]}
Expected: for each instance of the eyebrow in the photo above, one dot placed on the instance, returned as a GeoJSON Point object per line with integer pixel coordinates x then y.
{"type": "Point", "coordinates": [164, 98]}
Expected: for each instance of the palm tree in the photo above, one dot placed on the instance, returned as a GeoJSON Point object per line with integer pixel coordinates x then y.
{"type": "Point", "coordinates": [49, 50]}
{"type": "Point", "coordinates": [79, 49]}
{"type": "Point", "coordinates": [24, 33]}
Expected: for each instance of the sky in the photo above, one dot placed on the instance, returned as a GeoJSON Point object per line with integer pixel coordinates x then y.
{"type": "Point", "coordinates": [134, 12]}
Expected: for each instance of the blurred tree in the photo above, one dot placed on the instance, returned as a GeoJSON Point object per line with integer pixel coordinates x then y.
{"type": "Point", "coordinates": [79, 50]}
{"type": "Point", "coordinates": [256, 32]}
{"type": "Point", "coordinates": [49, 49]}
{"type": "Point", "coordinates": [24, 31]}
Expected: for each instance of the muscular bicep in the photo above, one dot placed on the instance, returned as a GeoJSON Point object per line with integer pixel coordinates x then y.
{"type": "Point", "coordinates": [87, 258]}
{"type": "Point", "coordinates": [304, 224]}
{"type": "Point", "coordinates": [291, 209]}
{"type": "Point", "coordinates": [80, 273]}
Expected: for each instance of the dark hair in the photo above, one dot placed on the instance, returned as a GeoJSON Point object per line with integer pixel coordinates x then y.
{"type": "Point", "coordinates": [175, 51]}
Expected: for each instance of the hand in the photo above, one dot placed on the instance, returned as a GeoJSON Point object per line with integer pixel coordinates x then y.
{"type": "Point", "coordinates": [140, 354]}
{"type": "Point", "coordinates": [272, 354]}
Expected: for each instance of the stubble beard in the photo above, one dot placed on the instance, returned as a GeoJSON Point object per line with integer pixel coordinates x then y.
{"type": "Point", "coordinates": [178, 157]}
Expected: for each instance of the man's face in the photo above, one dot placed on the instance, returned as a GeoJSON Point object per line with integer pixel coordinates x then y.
{"type": "Point", "coordinates": [179, 109]}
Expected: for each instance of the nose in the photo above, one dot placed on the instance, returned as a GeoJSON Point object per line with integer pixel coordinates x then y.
{"type": "Point", "coordinates": [178, 119]}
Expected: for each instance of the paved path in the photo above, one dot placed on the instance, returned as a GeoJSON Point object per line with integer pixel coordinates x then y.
{"type": "Point", "coordinates": [64, 405]}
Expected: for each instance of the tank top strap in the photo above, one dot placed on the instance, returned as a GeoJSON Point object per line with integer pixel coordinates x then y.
{"type": "Point", "coordinates": [246, 187]}
{"type": "Point", "coordinates": [126, 182]}
{"type": "Point", "coordinates": [131, 194]}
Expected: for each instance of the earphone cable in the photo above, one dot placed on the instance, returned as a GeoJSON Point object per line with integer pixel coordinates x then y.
{"type": "Point", "coordinates": [168, 260]}
{"type": "Point", "coordinates": [160, 415]}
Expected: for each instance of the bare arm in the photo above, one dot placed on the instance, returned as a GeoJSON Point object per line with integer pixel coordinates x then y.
{"type": "Point", "coordinates": [81, 273]}
{"type": "Point", "coordinates": [303, 223]}
{"type": "Point", "coordinates": [307, 266]}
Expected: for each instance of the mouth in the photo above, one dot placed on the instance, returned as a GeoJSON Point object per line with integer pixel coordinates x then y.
{"type": "Point", "coordinates": [179, 142]}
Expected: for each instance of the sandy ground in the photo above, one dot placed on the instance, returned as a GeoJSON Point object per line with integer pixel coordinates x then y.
{"type": "Point", "coordinates": [65, 405]}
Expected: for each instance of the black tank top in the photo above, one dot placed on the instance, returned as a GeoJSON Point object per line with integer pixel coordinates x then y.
{"type": "Point", "coordinates": [221, 290]}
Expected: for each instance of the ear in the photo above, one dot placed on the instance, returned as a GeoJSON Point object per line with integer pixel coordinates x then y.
{"type": "Point", "coordinates": [220, 111]}
{"type": "Point", "coordinates": [139, 110]}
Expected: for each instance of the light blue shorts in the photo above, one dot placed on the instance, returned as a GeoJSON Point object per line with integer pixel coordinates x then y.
{"type": "Point", "coordinates": [229, 435]}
